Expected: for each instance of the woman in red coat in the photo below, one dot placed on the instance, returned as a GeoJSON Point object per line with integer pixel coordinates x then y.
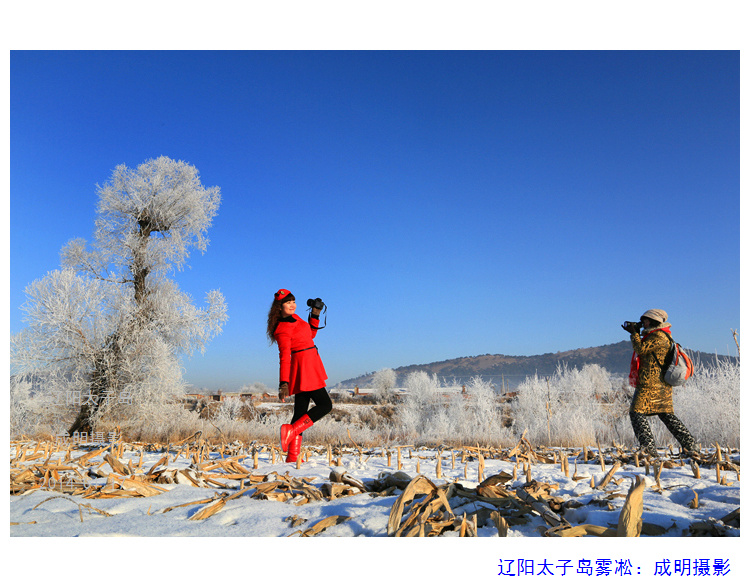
{"type": "Point", "coordinates": [301, 372]}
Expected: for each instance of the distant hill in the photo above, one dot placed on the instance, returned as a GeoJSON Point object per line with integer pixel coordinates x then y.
{"type": "Point", "coordinates": [511, 370]}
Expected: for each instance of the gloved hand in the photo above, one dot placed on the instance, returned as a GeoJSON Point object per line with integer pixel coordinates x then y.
{"type": "Point", "coordinates": [316, 308]}
{"type": "Point", "coordinates": [283, 390]}
{"type": "Point", "coordinates": [631, 327]}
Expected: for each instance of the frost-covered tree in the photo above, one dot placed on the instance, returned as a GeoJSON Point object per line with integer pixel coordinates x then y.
{"type": "Point", "coordinates": [419, 403]}
{"type": "Point", "coordinates": [482, 414]}
{"type": "Point", "coordinates": [384, 381]}
{"type": "Point", "coordinates": [110, 325]}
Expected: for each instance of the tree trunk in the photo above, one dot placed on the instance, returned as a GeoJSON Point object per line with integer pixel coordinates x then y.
{"type": "Point", "coordinates": [82, 422]}
{"type": "Point", "coordinates": [103, 378]}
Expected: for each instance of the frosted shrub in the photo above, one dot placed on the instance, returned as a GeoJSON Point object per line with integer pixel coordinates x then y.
{"type": "Point", "coordinates": [230, 409]}
{"type": "Point", "coordinates": [417, 407]}
{"type": "Point", "coordinates": [573, 407]}
{"type": "Point", "coordinates": [709, 404]}
{"type": "Point", "coordinates": [530, 408]}
{"type": "Point", "coordinates": [586, 405]}
{"type": "Point", "coordinates": [384, 381]}
{"type": "Point", "coordinates": [329, 431]}
{"type": "Point", "coordinates": [264, 426]}
{"type": "Point", "coordinates": [32, 413]}
{"type": "Point", "coordinates": [434, 414]}
{"type": "Point", "coordinates": [227, 422]}
{"type": "Point", "coordinates": [480, 420]}
{"type": "Point", "coordinates": [441, 427]}
{"type": "Point", "coordinates": [167, 423]}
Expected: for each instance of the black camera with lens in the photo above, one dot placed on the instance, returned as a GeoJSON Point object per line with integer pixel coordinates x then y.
{"type": "Point", "coordinates": [316, 304]}
{"type": "Point", "coordinates": [630, 326]}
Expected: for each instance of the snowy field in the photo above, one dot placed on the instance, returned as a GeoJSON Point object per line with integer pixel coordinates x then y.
{"type": "Point", "coordinates": [677, 505]}
{"type": "Point", "coordinates": [669, 505]}
{"type": "Point", "coordinates": [670, 508]}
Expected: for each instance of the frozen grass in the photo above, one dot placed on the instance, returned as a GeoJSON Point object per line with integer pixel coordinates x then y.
{"type": "Point", "coordinates": [574, 407]}
{"type": "Point", "coordinates": [589, 405]}
{"type": "Point", "coordinates": [709, 404]}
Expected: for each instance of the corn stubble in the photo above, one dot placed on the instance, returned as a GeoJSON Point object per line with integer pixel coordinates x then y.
{"type": "Point", "coordinates": [422, 507]}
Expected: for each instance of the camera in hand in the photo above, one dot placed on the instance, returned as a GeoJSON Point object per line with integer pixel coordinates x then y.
{"type": "Point", "coordinates": [316, 304]}
{"type": "Point", "coordinates": [632, 325]}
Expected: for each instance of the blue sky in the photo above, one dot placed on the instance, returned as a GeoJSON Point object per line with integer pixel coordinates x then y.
{"type": "Point", "coordinates": [443, 204]}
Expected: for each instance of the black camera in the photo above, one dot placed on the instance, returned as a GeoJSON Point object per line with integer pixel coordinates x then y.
{"type": "Point", "coordinates": [632, 325]}
{"type": "Point", "coordinates": [316, 304]}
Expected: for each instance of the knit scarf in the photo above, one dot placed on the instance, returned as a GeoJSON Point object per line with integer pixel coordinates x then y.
{"type": "Point", "coordinates": [635, 361]}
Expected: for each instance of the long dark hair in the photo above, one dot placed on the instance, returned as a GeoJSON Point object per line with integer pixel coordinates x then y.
{"type": "Point", "coordinates": [274, 315]}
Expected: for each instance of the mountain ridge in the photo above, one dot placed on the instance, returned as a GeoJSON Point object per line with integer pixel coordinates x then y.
{"type": "Point", "coordinates": [510, 370]}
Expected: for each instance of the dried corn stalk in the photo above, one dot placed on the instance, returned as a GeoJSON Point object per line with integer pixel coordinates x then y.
{"type": "Point", "coordinates": [542, 508]}
{"type": "Point", "coordinates": [630, 521]}
{"type": "Point", "coordinates": [117, 466]}
{"type": "Point", "coordinates": [323, 524]}
{"type": "Point", "coordinates": [500, 523]}
{"type": "Point", "coordinates": [609, 475]}
{"type": "Point", "coordinates": [418, 485]}
{"type": "Point", "coordinates": [582, 530]}
{"type": "Point", "coordinates": [209, 510]}
{"type": "Point", "coordinates": [338, 476]}
{"type": "Point", "coordinates": [141, 488]}
{"type": "Point", "coordinates": [182, 505]}
{"type": "Point", "coordinates": [85, 458]}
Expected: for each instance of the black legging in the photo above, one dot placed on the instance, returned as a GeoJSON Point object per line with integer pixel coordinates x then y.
{"type": "Point", "coordinates": [302, 399]}
{"type": "Point", "coordinates": [673, 423]}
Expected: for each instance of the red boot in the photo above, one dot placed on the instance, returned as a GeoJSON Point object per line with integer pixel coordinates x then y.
{"type": "Point", "coordinates": [289, 431]}
{"type": "Point", "coordinates": [294, 449]}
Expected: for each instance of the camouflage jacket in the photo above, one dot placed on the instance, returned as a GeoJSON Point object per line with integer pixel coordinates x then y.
{"type": "Point", "coordinates": [652, 395]}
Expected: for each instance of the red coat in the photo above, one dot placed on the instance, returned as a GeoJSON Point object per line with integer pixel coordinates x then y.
{"type": "Point", "coordinates": [299, 362]}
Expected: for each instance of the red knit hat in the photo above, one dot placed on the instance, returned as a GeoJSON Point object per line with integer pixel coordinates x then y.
{"type": "Point", "coordinates": [282, 295]}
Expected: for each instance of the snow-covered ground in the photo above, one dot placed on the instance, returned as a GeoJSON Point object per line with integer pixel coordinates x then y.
{"type": "Point", "coordinates": [668, 509]}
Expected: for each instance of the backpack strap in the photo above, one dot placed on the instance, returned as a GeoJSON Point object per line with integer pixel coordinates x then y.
{"type": "Point", "coordinates": [672, 342]}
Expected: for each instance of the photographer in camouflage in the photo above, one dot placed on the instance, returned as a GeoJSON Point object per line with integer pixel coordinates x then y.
{"type": "Point", "coordinates": [653, 397]}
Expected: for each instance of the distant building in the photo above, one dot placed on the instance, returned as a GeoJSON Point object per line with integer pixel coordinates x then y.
{"type": "Point", "coordinates": [219, 395]}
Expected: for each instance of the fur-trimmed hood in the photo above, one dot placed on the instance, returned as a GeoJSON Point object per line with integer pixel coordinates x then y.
{"type": "Point", "coordinates": [662, 326]}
